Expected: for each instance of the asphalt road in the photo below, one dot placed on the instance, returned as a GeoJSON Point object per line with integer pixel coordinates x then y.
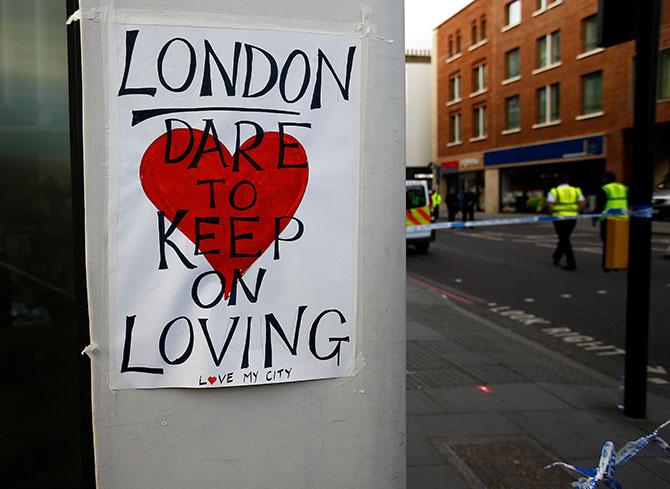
{"type": "Point", "coordinates": [505, 273]}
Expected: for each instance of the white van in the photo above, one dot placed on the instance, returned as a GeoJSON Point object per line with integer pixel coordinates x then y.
{"type": "Point", "coordinates": [418, 213]}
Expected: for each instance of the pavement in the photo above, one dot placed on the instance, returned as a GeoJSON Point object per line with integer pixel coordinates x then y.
{"type": "Point", "coordinates": [488, 408]}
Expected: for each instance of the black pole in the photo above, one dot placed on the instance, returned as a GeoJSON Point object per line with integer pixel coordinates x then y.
{"type": "Point", "coordinates": [87, 471]}
{"type": "Point", "coordinates": [639, 262]}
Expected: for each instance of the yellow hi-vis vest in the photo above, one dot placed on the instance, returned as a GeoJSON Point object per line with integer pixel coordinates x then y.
{"type": "Point", "coordinates": [566, 200]}
{"type": "Point", "coordinates": [437, 199]}
{"type": "Point", "coordinates": [617, 198]}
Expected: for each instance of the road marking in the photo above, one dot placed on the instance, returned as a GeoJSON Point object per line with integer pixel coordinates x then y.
{"type": "Point", "coordinates": [601, 292]}
{"type": "Point", "coordinates": [440, 290]}
{"type": "Point", "coordinates": [458, 280]}
{"type": "Point", "coordinates": [529, 299]}
{"type": "Point", "coordinates": [479, 235]}
{"type": "Point", "coordinates": [566, 296]}
{"type": "Point", "coordinates": [567, 335]}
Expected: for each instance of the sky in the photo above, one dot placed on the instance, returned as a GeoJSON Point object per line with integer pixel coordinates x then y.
{"type": "Point", "coordinates": [422, 16]}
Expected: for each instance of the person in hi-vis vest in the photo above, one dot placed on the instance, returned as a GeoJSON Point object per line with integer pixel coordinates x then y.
{"type": "Point", "coordinates": [565, 200]}
{"type": "Point", "coordinates": [612, 199]}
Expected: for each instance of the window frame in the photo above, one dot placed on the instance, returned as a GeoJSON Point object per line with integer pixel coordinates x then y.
{"type": "Point", "coordinates": [517, 127]}
{"type": "Point", "coordinates": [508, 17]}
{"type": "Point", "coordinates": [507, 78]}
{"type": "Point", "coordinates": [585, 22]}
{"type": "Point", "coordinates": [550, 41]}
{"type": "Point", "coordinates": [545, 5]}
{"type": "Point", "coordinates": [583, 80]}
{"type": "Point", "coordinates": [479, 122]}
{"type": "Point", "coordinates": [549, 99]}
{"type": "Point", "coordinates": [479, 78]}
{"type": "Point", "coordinates": [455, 128]}
{"type": "Point", "coordinates": [455, 80]}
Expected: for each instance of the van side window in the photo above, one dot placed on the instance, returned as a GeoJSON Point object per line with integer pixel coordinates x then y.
{"type": "Point", "coordinates": [416, 197]}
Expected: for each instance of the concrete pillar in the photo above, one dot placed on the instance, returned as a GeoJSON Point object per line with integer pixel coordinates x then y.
{"type": "Point", "coordinates": [492, 190]}
{"type": "Point", "coordinates": [332, 433]}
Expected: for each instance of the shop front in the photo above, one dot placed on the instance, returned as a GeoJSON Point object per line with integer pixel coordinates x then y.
{"type": "Point", "coordinates": [463, 174]}
{"type": "Point", "coordinates": [527, 173]}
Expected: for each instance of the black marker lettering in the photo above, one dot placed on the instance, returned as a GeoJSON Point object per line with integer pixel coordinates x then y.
{"type": "Point", "coordinates": [163, 239]}
{"type": "Point", "coordinates": [131, 37]}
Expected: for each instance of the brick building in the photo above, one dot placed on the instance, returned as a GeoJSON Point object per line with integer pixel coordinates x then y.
{"type": "Point", "coordinates": [523, 93]}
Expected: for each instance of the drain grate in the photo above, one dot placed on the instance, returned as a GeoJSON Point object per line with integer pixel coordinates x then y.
{"type": "Point", "coordinates": [502, 462]}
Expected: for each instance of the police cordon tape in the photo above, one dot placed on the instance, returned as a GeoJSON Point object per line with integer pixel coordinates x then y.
{"type": "Point", "coordinates": [611, 460]}
{"type": "Point", "coordinates": [640, 211]}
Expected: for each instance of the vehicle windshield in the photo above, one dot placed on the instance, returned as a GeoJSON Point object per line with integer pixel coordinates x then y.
{"type": "Point", "coordinates": [416, 197]}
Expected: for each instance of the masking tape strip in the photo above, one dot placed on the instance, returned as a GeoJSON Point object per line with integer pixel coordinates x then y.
{"type": "Point", "coordinates": [90, 350]}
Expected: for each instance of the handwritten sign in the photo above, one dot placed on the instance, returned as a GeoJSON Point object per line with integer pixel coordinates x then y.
{"type": "Point", "coordinates": [233, 194]}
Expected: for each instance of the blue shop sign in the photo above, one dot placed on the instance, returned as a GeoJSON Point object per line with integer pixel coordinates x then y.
{"type": "Point", "coordinates": [559, 150]}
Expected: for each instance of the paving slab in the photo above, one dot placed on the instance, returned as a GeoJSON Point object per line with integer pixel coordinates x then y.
{"type": "Point", "coordinates": [495, 398]}
{"type": "Point", "coordinates": [418, 402]}
{"type": "Point", "coordinates": [434, 477]}
{"type": "Point", "coordinates": [574, 434]}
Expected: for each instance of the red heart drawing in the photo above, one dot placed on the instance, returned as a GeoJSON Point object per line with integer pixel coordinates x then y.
{"type": "Point", "coordinates": [211, 380]}
{"type": "Point", "coordinates": [236, 219]}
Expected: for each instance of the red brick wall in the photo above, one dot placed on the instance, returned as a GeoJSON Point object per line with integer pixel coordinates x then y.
{"type": "Point", "coordinates": [615, 62]}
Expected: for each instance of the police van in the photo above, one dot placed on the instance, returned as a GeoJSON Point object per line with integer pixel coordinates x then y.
{"type": "Point", "coordinates": [418, 213]}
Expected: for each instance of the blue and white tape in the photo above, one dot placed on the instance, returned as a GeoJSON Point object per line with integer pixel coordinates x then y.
{"type": "Point", "coordinates": [611, 460]}
{"type": "Point", "coordinates": [645, 213]}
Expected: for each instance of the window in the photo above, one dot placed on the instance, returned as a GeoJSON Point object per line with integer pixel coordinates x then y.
{"type": "Point", "coordinates": [590, 33]}
{"type": "Point", "coordinates": [512, 63]}
{"type": "Point", "coordinates": [549, 50]}
{"type": "Point", "coordinates": [548, 103]}
{"type": "Point", "coordinates": [592, 93]}
{"type": "Point", "coordinates": [415, 197]}
{"type": "Point", "coordinates": [512, 116]}
{"type": "Point", "coordinates": [458, 42]}
{"type": "Point", "coordinates": [482, 28]}
{"type": "Point", "coordinates": [454, 87]}
{"type": "Point", "coordinates": [513, 13]}
{"type": "Point", "coordinates": [455, 128]}
{"type": "Point", "coordinates": [450, 49]}
{"type": "Point", "coordinates": [479, 78]}
{"type": "Point", "coordinates": [474, 32]}
{"type": "Point", "coordinates": [479, 122]}
{"type": "Point", "coordinates": [542, 5]}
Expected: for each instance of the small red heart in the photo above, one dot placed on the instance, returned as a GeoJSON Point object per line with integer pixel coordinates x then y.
{"type": "Point", "coordinates": [174, 186]}
{"type": "Point", "coordinates": [211, 380]}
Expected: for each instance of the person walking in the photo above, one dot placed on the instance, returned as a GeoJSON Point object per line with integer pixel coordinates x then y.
{"type": "Point", "coordinates": [612, 199]}
{"type": "Point", "coordinates": [453, 205]}
{"type": "Point", "coordinates": [469, 202]}
{"type": "Point", "coordinates": [565, 201]}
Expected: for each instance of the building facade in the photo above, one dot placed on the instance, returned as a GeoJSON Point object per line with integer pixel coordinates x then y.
{"type": "Point", "coordinates": [524, 94]}
{"type": "Point", "coordinates": [418, 107]}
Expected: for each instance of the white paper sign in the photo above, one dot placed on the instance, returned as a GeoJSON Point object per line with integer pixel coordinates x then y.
{"type": "Point", "coordinates": [233, 206]}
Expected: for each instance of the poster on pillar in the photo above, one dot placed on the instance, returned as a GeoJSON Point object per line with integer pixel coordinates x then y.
{"type": "Point", "coordinates": [233, 179]}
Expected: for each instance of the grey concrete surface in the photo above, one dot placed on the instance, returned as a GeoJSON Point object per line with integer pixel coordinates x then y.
{"type": "Point", "coordinates": [570, 415]}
